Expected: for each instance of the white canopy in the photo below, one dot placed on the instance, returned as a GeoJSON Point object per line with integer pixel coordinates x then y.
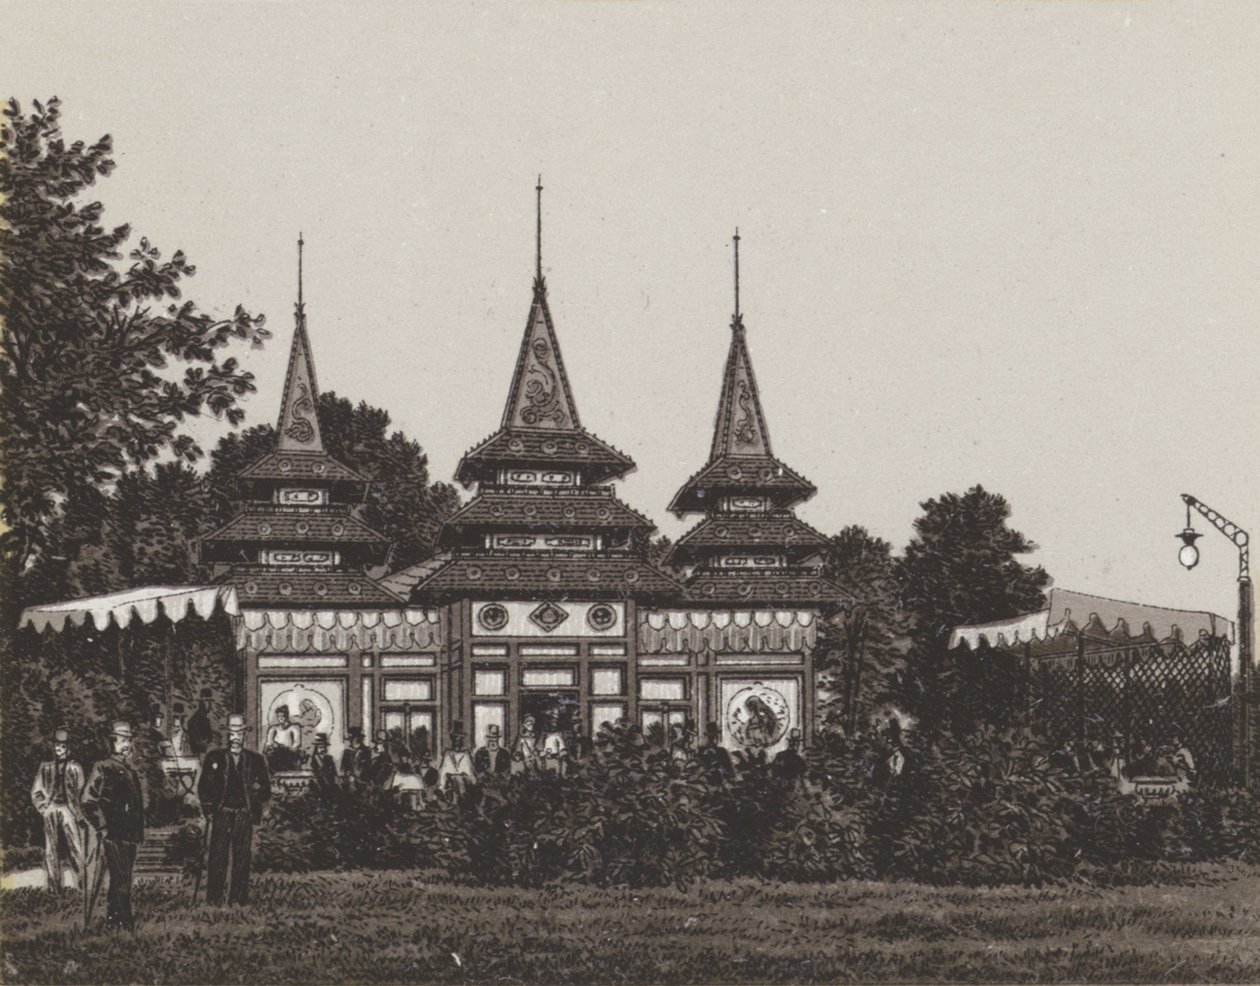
{"type": "Point", "coordinates": [145, 603]}
{"type": "Point", "coordinates": [1080, 607]}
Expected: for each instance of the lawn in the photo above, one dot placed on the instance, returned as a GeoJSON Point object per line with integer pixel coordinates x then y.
{"type": "Point", "coordinates": [367, 927]}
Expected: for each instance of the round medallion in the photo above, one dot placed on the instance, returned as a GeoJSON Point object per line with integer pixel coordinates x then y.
{"type": "Point", "coordinates": [569, 512]}
{"type": "Point", "coordinates": [285, 465]}
{"type": "Point", "coordinates": [757, 716]}
{"type": "Point", "coordinates": [632, 576]}
{"type": "Point", "coordinates": [722, 531]}
{"type": "Point", "coordinates": [286, 589]}
{"type": "Point", "coordinates": [531, 510]}
{"type": "Point", "coordinates": [550, 447]}
{"type": "Point", "coordinates": [302, 527]}
{"type": "Point", "coordinates": [734, 472]}
{"type": "Point", "coordinates": [815, 587]}
{"type": "Point", "coordinates": [251, 588]}
{"type": "Point", "coordinates": [554, 575]}
{"type": "Point", "coordinates": [783, 588]}
{"type": "Point", "coordinates": [603, 513]}
{"type": "Point", "coordinates": [512, 574]}
{"type": "Point", "coordinates": [593, 575]}
{"type": "Point", "coordinates": [338, 529]}
{"type": "Point", "coordinates": [474, 572]}
{"type": "Point", "coordinates": [767, 472]}
{"type": "Point", "coordinates": [354, 588]}
{"type": "Point", "coordinates": [321, 589]}
{"type": "Point", "coordinates": [319, 468]}
{"type": "Point", "coordinates": [492, 617]}
{"type": "Point", "coordinates": [754, 532]}
{"type": "Point", "coordinates": [709, 589]}
{"type": "Point", "coordinates": [496, 511]}
{"type": "Point", "coordinates": [264, 528]}
{"type": "Point", "coordinates": [582, 448]}
{"type": "Point", "coordinates": [745, 590]}
{"type": "Point", "coordinates": [601, 617]}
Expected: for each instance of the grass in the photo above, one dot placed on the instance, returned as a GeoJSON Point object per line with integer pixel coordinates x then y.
{"type": "Point", "coordinates": [373, 927]}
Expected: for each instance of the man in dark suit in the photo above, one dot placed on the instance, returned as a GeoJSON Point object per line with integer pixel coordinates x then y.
{"type": "Point", "coordinates": [356, 759]}
{"type": "Point", "coordinates": [492, 758]}
{"type": "Point", "coordinates": [200, 733]}
{"type": "Point", "coordinates": [323, 770]}
{"type": "Point", "coordinates": [789, 765]}
{"type": "Point", "coordinates": [114, 806]}
{"type": "Point", "coordinates": [233, 788]}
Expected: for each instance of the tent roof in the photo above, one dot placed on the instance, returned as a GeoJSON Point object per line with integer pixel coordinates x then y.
{"type": "Point", "coordinates": [1078, 608]}
{"type": "Point", "coordinates": [146, 603]}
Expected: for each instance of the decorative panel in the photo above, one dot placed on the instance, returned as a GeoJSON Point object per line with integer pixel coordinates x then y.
{"type": "Point", "coordinates": [408, 690]}
{"type": "Point", "coordinates": [515, 619]}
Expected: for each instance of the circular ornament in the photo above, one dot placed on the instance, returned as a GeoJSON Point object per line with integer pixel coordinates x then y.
{"type": "Point", "coordinates": [319, 468]}
{"type": "Point", "coordinates": [474, 572]}
{"type": "Point", "coordinates": [302, 527]}
{"type": "Point", "coordinates": [512, 574]}
{"type": "Point", "coordinates": [354, 588]}
{"type": "Point", "coordinates": [516, 445]}
{"type": "Point", "coordinates": [321, 589]}
{"type": "Point", "coordinates": [593, 575]}
{"type": "Point", "coordinates": [286, 589]}
{"type": "Point", "coordinates": [757, 716]}
{"type": "Point", "coordinates": [251, 588]}
{"type": "Point", "coordinates": [338, 529]}
{"type": "Point", "coordinates": [601, 617]}
{"type": "Point", "coordinates": [550, 447]}
{"type": "Point", "coordinates": [632, 576]}
{"type": "Point", "coordinates": [492, 617]}
{"type": "Point", "coordinates": [554, 575]}
{"type": "Point", "coordinates": [264, 528]}
{"type": "Point", "coordinates": [286, 465]}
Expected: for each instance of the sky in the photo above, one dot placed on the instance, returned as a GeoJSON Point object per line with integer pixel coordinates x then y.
{"type": "Point", "coordinates": [1002, 243]}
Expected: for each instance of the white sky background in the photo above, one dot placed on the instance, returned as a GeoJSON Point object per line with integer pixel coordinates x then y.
{"type": "Point", "coordinates": [1011, 243]}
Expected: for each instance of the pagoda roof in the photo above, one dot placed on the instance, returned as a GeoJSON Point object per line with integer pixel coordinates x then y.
{"type": "Point", "coordinates": [540, 425]}
{"type": "Point", "coordinates": [594, 575]}
{"type": "Point", "coordinates": [726, 531]}
{"type": "Point", "coordinates": [730, 475]}
{"type": "Point", "coordinates": [576, 509]}
{"type": "Point", "coordinates": [284, 526]}
{"type": "Point", "coordinates": [528, 448]}
{"type": "Point", "coordinates": [267, 587]}
{"type": "Point", "coordinates": [794, 586]}
{"type": "Point", "coordinates": [317, 467]}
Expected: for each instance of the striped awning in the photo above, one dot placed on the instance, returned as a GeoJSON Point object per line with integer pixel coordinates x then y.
{"type": "Point", "coordinates": [145, 604]}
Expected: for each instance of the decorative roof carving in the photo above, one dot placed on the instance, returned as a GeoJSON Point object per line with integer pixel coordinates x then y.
{"type": "Point", "coordinates": [545, 575]}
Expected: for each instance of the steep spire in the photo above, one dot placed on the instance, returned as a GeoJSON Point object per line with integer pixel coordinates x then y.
{"type": "Point", "coordinates": [298, 427]}
{"type": "Point", "coordinates": [740, 428]}
{"type": "Point", "coordinates": [538, 277]}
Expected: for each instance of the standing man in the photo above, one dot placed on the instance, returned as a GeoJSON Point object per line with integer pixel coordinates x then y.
{"type": "Point", "coordinates": [789, 765]}
{"type": "Point", "coordinates": [114, 805]}
{"type": "Point", "coordinates": [456, 770]}
{"type": "Point", "coordinates": [356, 759]}
{"type": "Point", "coordinates": [283, 746]}
{"type": "Point", "coordinates": [234, 787]}
{"type": "Point", "coordinates": [200, 735]}
{"type": "Point", "coordinates": [492, 758]}
{"type": "Point", "coordinates": [323, 770]}
{"type": "Point", "coordinates": [56, 795]}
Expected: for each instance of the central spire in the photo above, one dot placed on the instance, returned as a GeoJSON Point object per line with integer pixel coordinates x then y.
{"type": "Point", "coordinates": [538, 277]}
{"type": "Point", "coordinates": [298, 427]}
{"type": "Point", "coordinates": [737, 320]}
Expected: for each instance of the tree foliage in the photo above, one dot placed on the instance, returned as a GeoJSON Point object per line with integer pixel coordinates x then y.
{"type": "Point", "coordinates": [89, 350]}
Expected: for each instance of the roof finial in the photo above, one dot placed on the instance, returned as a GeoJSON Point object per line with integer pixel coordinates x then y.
{"type": "Point", "coordinates": [737, 321]}
{"type": "Point", "coordinates": [538, 238]}
{"type": "Point", "coordinates": [301, 313]}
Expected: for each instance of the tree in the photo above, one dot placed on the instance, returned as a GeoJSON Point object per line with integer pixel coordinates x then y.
{"type": "Point", "coordinates": [868, 636]}
{"type": "Point", "coordinates": [961, 567]}
{"type": "Point", "coordinates": [402, 504]}
{"type": "Point", "coordinates": [87, 353]}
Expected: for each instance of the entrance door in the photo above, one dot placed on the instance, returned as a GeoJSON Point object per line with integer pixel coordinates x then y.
{"type": "Point", "coordinates": [552, 711]}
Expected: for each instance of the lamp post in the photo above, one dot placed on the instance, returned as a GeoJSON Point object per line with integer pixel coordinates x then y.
{"type": "Point", "coordinates": [1189, 557]}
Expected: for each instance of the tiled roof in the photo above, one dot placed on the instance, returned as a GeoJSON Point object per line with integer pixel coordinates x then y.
{"type": "Point", "coordinates": [765, 531]}
{"type": "Point", "coordinates": [313, 466]}
{"type": "Point", "coordinates": [257, 586]}
{"type": "Point", "coordinates": [756, 475]}
{"type": "Point", "coordinates": [510, 448]}
{"type": "Point", "coordinates": [550, 510]}
{"type": "Point", "coordinates": [292, 527]}
{"type": "Point", "coordinates": [786, 587]}
{"type": "Point", "coordinates": [599, 575]}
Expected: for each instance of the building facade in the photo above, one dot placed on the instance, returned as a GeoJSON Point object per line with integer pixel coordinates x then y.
{"type": "Point", "coordinates": [541, 601]}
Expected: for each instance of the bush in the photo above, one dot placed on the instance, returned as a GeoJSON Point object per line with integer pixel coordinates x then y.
{"type": "Point", "coordinates": [988, 809]}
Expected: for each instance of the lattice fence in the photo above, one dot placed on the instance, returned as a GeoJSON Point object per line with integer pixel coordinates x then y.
{"type": "Point", "coordinates": [1138, 699]}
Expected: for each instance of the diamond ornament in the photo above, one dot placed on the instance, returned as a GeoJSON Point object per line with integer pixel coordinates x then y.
{"type": "Point", "coordinates": [548, 616]}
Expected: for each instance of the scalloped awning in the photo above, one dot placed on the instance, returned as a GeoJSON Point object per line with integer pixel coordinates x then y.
{"type": "Point", "coordinates": [727, 631]}
{"type": "Point", "coordinates": [300, 631]}
{"type": "Point", "coordinates": [1069, 610]}
{"type": "Point", "coordinates": [146, 604]}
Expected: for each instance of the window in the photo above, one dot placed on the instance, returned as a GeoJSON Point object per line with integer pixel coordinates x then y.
{"type": "Point", "coordinates": [608, 681]}
{"type": "Point", "coordinates": [663, 689]}
{"type": "Point", "coordinates": [606, 712]}
{"type": "Point", "coordinates": [489, 681]}
{"type": "Point", "coordinates": [549, 677]}
{"type": "Point", "coordinates": [404, 690]}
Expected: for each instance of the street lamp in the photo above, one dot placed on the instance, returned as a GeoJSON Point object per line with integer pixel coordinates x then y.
{"type": "Point", "coordinates": [1189, 557]}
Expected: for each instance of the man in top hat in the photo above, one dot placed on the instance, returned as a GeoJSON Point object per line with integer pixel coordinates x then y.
{"type": "Point", "coordinates": [56, 796]}
{"type": "Point", "coordinates": [789, 765]}
{"type": "Point", "coordinates": [382, 770]}
{"type": "Point", "coordinates": [323, 770]}
{"type": "Point", "coordinates": [114, 805]}
{"type": "Point", "coordinates": [492, 758]}
{"type": "Point", "coordinates": [356, 759]}
{"type": "Point", "coordinates": [157, 729]}
{"type": "Point", "coordinates": [456, 769]}
{"type": "Point", "coordinates": [234, 787]}
{"type": "Point", "coordinates": [200, 733]}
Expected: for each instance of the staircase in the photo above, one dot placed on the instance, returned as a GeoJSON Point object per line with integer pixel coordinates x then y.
{"type": "Point", "coordinates": [151, 854]}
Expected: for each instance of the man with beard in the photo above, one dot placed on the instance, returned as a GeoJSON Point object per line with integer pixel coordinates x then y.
{"type": "Point", "coordinates": [56, 796]}
{"type": "Point", "coordinates": [114, 806]}
{"type": "Point", "coordinates": [234, 787]}
{"type": "Point", "coordinates": [492, 758]}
